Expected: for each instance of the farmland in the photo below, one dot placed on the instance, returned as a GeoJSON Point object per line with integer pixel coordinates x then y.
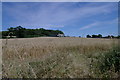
{"type": "Point", "coordinates": [56, 57]}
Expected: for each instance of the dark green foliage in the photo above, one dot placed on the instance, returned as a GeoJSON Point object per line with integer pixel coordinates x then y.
{"type": "Point", "coordinates": [107, 65]}
{"type": "Point", "coordinates": [21, 32]}
{"type": "Point", "coordinates": [100, 36]}
{"type": "Point", "coordinates": [111, 61]}
{"type": "Point", "coordinates": [94, 36]}
{"type": "Point", "coordinates": [88, 36]}
{"type": "Point", "coordinates": [0, 35]}
{"type": "Point", "coordinates": [118, 36]}
{"type": "Point", "coordinates": [97, 36]}
{"type": "Point", "coordinates": [4, 33]}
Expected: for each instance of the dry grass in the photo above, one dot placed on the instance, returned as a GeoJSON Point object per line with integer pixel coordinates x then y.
{"type": "Point", "coordinates": [52, 57]}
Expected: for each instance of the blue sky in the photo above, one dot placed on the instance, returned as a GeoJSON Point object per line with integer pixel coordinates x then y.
{"type": "Point", "coordinates": [73, 18]}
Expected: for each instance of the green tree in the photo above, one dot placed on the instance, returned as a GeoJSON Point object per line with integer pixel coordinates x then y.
{"type": "Point", "coordinates": [99, 36]}
{"type": "Point", "coordinates": [88, 36]}
{"type": "Point", "coordinates": [21, 32]}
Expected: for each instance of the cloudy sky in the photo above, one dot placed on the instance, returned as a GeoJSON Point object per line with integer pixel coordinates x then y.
{"type": "Point", "coordinates": [73, 18]}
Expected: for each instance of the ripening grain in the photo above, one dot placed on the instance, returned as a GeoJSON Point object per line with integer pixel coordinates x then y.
{"type": "Point", "coordinates": [50, 57]}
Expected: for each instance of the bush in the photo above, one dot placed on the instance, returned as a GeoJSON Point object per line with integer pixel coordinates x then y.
{"type": "Point", "coordinates": [108, 64]}
{"type": "Point", "coordinates": [111, 59]}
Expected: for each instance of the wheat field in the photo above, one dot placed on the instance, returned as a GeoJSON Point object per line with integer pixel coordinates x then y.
{"type": "Point", "coordinates": [53, 57]}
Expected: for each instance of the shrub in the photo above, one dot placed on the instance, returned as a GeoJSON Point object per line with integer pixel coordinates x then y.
{"type": "Point", "coordinates": [109, 63]}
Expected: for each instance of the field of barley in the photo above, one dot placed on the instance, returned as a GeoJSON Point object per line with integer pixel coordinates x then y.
{"type": "Point", "coordinates": [56, 57]}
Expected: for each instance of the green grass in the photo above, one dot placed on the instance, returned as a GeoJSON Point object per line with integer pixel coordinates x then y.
{"type": "Point", "coordinates": [107, 65]}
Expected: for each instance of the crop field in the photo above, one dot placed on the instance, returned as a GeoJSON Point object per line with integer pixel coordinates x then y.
{"type": "Point", "coordinates": [60, 57]}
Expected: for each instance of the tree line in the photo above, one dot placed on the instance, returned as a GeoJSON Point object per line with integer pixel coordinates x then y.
{"type": "Point", "coordinates": [21, 32]}
{"type": "Point", "coordinates": [100, 36]}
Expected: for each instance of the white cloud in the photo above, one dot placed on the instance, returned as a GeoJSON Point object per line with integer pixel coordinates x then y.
{"type": "Point", "coordinates": [89, 26]}
{"type": "Point", "coordinates": [48, 26]}
{"type": "Point", "coordinates": [53, 13]}
{"type": "Point", "coordinates": [95, 24]}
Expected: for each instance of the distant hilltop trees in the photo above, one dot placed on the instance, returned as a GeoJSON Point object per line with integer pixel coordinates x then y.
{"type": "Point", "coordinates": [100, 36]}
{"type": "Point", "coordinates": [94, 36]}
{"type": "Point", "coordinates": [21, 32]}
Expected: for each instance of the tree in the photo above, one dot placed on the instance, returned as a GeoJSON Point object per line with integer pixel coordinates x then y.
{"type": "Point", "coordinates": [118, 36]}
{"type": "Point", "coordinates": [21, 32]}
{"type": "Point", "coordinates": [108, 36]}
{"type": "Point", "coordinates": [112, 36]}
{"type": "Point", "coordinates": [11, 29]}
{"type": "Point", "coordinates": [94, 36]}
{"type": "Point", "coordinates": [88, 36]}
{"type": "Point", "coordinates": [99, 36]}
{"type": "Point", "coordinates": [18, 31]}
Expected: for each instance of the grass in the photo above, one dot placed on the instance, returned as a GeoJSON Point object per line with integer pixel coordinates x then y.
{"type": "Point", "coordinates": [46, 57]}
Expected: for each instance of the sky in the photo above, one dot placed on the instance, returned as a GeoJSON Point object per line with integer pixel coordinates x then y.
{"type": "Point", "coordinates": [73, 18]}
